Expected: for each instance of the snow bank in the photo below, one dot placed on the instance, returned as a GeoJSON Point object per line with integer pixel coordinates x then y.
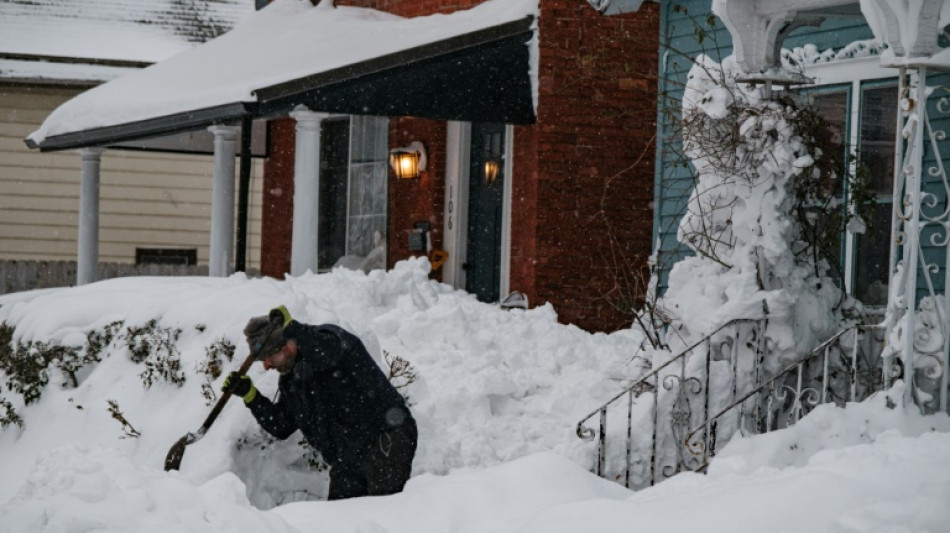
{"type": "Point", "coordinates": [895, 483]}
{"type": "Point", "coordinates": [868, 468]}
{"type": "Point", "coordinates": [827, 428]}
{"type": "Point", "coordinates": [492, 385]}
{"type": "Point", "coordinates": [501, 499]}
{"type": "Point", "coordinates": [77, 488]}
{"type": "Point", "coordinates": [497, 392]}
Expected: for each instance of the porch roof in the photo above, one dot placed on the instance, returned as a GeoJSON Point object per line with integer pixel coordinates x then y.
{"type": "Point", "coordinates": [479, 64]}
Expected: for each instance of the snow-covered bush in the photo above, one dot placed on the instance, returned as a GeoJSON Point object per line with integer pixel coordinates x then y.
{"type": "Point", "coordinates": [763, 219]}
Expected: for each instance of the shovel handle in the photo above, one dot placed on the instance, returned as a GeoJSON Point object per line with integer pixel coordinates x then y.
{"type": "Point", "coordinates": [226, 395]}
{"type": "Point", "coordinates": [177, 451]}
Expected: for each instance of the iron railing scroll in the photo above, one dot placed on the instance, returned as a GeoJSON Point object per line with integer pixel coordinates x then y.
{"type": "Point", "coordinates": [670, 400]}
{"type": "Point", "coordinates": [918, 318]}
{"type": "Point", "coordinates": [717, 387]}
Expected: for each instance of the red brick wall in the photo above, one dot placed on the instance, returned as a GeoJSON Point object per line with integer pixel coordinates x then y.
{"type": "Point", "coordinates": [524, 212]}
{"type": "Point", "coordinates": [596, 121]}
{"type": "Point", "coordinates": [422, 199]}
{"type": "Point", "coordinates": [278, 208]}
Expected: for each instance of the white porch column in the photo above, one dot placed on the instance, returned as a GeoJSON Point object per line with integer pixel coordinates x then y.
{"type": "Point", "coordinates": [222, 202]}
{"type": "Point", "coordinates": [303, 250]}
{"type": "Point", "coordinates": [88, 259]}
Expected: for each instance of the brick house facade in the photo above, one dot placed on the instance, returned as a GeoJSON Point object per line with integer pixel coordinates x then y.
{"type": "Point", "coordinates": [581, 177]}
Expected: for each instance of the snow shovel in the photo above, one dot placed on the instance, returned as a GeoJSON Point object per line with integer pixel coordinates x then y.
{"type": "Point", "coordinates": [173, 459]}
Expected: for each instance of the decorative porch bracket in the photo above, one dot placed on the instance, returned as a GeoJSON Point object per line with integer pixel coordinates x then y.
{"type": "Point", "coordinates": [910, 29]}
{"type": "Point", "coordinates": [758, 28]}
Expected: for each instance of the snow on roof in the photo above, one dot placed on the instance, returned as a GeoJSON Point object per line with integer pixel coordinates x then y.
{"type": "Point", "coordinates": [34, 71]}
{"type": "Point", "coordinates": [286, 40]}
{"type": "Point", "coordinates": [123, 30]}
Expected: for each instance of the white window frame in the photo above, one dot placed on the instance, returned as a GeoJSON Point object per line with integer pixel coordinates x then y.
{"type": "Point", "coordinates": [855, 73]}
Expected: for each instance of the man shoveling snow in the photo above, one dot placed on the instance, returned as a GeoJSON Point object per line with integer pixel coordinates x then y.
{"type": "Point", "coordinates": [336, 395]}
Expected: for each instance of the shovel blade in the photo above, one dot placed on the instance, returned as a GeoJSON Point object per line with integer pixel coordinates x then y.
{"type": "Point", "coordinates": [177, 451]}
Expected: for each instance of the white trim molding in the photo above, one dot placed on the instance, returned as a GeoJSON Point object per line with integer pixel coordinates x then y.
{"type": "Point", "coordinates": [505, 273]}
{"type": "Point", "coordinates": [455, 218]}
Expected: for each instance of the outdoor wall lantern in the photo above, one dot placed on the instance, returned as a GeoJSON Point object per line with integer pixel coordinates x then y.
{"type": "Point", "coordinates": [491, 171]}
{"type": "Point", "coordinates": [409, 161]}
{"type": "Point", "coordinates": [492, 155]}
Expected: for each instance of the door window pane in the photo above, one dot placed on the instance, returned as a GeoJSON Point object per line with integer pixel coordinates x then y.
{"type": "Point", "coordinates": [832, 105]}
{"type": "Point", "coordinates": [872, 250]}
{"type": "Point", "coordinates": [334, 157]}
{"type": "Point", "coordinates": [878, 129]}
{"type": "Point", "coordinates": [486, 191]}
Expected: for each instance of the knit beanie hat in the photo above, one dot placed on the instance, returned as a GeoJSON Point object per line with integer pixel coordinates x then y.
{"type": "Point", "coordinates": [265, 334]}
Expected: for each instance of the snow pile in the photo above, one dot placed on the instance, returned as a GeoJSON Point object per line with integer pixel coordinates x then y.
{"type": "Point", "coordinates": [497, 392]}
{"type": "Point", "coordinates": [492, 385]}
{"type": "Point", "coordinates": [504, 498]}
{"type": "Point", "coordinates": [867, 468]}
{"type": "Point", "coordinates": [896, 481]}
{"type": "Point", "coordinates": [825, 429]}
{"type": "Point", "coordinates": [78, 488]}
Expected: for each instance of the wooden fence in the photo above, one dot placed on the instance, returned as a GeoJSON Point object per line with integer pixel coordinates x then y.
{"type": "Point", "coordinates": [18, 276]}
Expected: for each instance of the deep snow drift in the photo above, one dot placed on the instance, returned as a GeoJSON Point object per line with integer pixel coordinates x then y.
{"type": "Point", "coordinates": [497, 396]}
{"type": "Point", "coordinates": [492, 385]}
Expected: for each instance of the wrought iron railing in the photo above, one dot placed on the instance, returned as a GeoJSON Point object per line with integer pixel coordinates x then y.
{"type": "Point", "coordinates": [719, 386]}
{"type": "Point", "coordinates": [846, 367]}
{"type": "Point", "coordinates": [918, 310]}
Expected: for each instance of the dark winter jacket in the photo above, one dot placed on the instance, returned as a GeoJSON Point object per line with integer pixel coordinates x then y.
{"type": "Point", "coordinates": [336, 395]}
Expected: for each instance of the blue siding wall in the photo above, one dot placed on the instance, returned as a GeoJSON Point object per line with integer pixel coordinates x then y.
{"type": "Point", "coordinates": [687, 29]}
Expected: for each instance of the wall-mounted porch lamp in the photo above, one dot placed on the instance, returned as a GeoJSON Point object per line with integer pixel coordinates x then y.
{"type": "Point", "coordinates": [492, 154]}
{"type": "Point", "coordinates": [491, 171]}
{"type": "Point", "coordinates": [408, 161]}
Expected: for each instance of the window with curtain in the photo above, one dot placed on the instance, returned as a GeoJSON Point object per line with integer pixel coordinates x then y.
{"type": "Point", "coordinates": [354, 154]}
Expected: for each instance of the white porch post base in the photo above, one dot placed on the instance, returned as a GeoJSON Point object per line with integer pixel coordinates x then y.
{"type": "Point", "coordinates": [222, 202]}
{"type": "Point", "coordinates": [303, 250]}
{"type": "Point", "coordinates": [88, 258]}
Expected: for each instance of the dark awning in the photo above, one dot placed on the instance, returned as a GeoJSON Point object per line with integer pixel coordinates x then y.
{"type": "Point", "coordinates": [485, 75]}
{"type": "Point", "coordinates": [481, 76]}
